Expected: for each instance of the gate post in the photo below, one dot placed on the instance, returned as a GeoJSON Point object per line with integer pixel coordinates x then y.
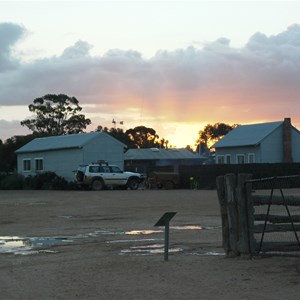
{"type": "Point", "coordinates": [220, 183]}
{"type": "Point", "coordinates": [230, 185]}
{"type": "Point", "coordinates": [241, 193]}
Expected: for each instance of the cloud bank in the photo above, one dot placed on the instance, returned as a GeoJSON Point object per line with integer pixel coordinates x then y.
{"type": "Point", "coordinates": [214, 83]}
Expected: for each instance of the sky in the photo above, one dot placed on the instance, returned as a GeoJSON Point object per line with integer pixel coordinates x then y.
{"type": "Point", "coordinates": [174, 66]}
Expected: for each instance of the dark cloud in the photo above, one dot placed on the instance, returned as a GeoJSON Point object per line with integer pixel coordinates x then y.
{"type": "Point", "coordinates": [204, 82]}
{"type": "Point", "coordinates": [9, 34]}
{"type": "Point", "coordinates": [80, 49]}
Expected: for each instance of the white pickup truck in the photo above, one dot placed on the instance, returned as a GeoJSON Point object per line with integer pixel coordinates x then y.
{"type": "Point", "coordinates": [97, 176]}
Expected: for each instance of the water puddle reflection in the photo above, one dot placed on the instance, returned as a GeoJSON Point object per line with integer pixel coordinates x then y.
{"type": "Point", "coordinates": [187, 227]}
{"type": "Point", "coordinates": [33, 245]}
{"type": "Point", "coordinates": [142, 232]}
{"type": "Point", "coordinates": [147, 231]}
{"type": "Point", "coordinates": [148, 249]}
{"type": "Point", "coordinates": [132, 241]}
{"type": "Point", "coordinates": [25, 246]}
{"type": "Point", "coordinates": [208, 253]}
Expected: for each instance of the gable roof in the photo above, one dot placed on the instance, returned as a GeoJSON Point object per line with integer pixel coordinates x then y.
{"type": "Point", "coordinates": [247, 135]}
{"type": "Point", "coordinates": [61, 142]}
{"type": "Point", "coordinates": [155, 153]}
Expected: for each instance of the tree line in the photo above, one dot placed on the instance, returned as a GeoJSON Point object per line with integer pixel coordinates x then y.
{"type": "Point", "coordinates": [60, 115]}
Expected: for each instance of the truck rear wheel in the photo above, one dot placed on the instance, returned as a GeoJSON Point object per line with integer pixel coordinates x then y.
{"type": "Point", "coordinates": [97, 185]}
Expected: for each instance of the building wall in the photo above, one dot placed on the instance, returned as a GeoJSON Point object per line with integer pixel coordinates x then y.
{"type": "Point", "coordinates": [270, 150]}
{"type": "Point", "coordinates": [106, 148]}
{"type": "Point", "coordinates": [233, 153]}
{"type": "Point", "coordinates": [168, 165]}
{"type": "Point", "coordinates": [295, 145]}
{"type": "Point", "coordinates": [272, 147]}
{"type": "Point", "coordinates": [64, 162]}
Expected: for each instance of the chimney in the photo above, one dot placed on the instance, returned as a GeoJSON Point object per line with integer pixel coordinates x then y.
{"type": "Point", "coordinates": [287, 141]}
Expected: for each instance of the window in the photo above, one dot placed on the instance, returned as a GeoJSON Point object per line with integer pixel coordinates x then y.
{"type": "Point", "coordinates": [115, 169]}
{"type": "Point", "coordinates": [220, 159]}
{"type": "Point", "coordinates": [105, 169]}
{"type": "Point", "coordinates": [251, 158]}
{"type": "Point", "coordinates": [228, 159]}
{"type": "Point", "coordinates": [26, 165]}
{"type": "Point", "coordinates": [94, 169]}
{"type": "Point", "coordinates": [39, 164]}
{"type": "Point", "coordinates": [240, 158]}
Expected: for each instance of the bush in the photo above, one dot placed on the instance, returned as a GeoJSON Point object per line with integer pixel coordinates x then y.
{"type": "Point", "coordinates": [46, 181]}
{"type": "Point", "coordinates": [59, 183]}
{"type": "Point", "coordinates": [12, 182]}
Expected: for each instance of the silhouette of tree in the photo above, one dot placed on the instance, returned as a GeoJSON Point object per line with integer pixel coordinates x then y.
{"type": "Point", "coordinates": [143, 137]}
{"type": "Point", "coordinates": [56, 115]}
{"type": "Point", "coordinates": [211, 134]}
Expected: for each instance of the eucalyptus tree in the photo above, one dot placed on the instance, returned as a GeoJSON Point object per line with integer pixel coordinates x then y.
{"type": "Point", "coordinates": [56, 115]}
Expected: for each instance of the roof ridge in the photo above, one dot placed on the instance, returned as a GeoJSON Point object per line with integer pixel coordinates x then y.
{"type": "Point", "coordinates": [248, 135]}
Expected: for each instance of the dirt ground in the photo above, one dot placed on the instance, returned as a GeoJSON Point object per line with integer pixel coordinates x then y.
{"type": "Point", "coordinates": [103, 245]}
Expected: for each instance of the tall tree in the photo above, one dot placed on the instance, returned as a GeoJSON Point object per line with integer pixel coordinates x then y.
{"type": "Point", "coordinates": [56, 115]}
{"type": "Point", "coordinates": [138, 137]}
{"type": "Point", "coordinates": [118, 134]}
{"type": "Point", "coordinates": [8, 158]}
{"type": "Point", "coordinates": [212, 133]}
{"type": "Point", "coordinates": [143, 137]}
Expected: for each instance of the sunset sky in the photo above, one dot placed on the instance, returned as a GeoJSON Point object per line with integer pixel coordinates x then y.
{"type": "Point", "coordinates": [174, 66]}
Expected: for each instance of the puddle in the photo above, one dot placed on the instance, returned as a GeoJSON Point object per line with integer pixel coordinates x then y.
{"type": "Point", "coordinates": [148, 231]}
{"type": "Point", "coordinates": [66, 217]}
{"type": "Point", "coordinates": [142, 232]}
{"type": "Point", "coordinates": [25, 246]}
{"type": "Point", "coordinates": [98, 233]}
{"type": "Point", "coordinates": [187, 227]}
{"type": "Point", "coordinates": [131, 241]}
{"type": "Point", "coordinates": [41, 241]}
{"type": "Point", "coordinates": [208, 253]}
{"type": "Point", "coordinates": [33, 245]}
{"type": "Point", "coordinates": [148, 249]}
{"type": "Point", "coordinates": [211, 227]}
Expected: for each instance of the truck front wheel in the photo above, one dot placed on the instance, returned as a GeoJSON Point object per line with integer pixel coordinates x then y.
{"type": "Point", "coordinates": [97, 185]}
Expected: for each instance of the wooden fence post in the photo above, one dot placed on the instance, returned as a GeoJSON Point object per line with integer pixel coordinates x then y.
{"type": "Point", "coordinates": [241, 194]}
{"type": "Point", "coordinates": [220, 183]}
{"type": "Point", "coordinates": [250, 211]}
{"type": "Point", "coordinates": [230, 187]}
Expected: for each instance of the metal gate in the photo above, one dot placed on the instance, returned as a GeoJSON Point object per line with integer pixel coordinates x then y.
{"type": "Point", "coordinates": [274, 222]}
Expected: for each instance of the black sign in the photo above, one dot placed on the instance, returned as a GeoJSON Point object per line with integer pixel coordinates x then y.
{"type": "Point", "coordinates": [165, 219]}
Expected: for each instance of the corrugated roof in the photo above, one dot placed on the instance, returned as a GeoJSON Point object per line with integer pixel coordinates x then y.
{"type": "Point", "coordinates": [247, 135]}
{"type": "Point", "coordinates": [155, 153]}
{"type": "Point", "coordinates": [60, 142]}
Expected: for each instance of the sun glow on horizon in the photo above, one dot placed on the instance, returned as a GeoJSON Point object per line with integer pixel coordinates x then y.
{"type": "Point", "coordinates": [185, 134]}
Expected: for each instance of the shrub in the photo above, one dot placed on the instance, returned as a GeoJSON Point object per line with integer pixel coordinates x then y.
{"type": "Point", "coordinates": [12, 182]}
{"type": "Point", "coordinates": [46, 181]}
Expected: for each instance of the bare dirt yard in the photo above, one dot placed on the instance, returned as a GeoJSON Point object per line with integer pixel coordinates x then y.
{"type": "Point", "coordinates": [103, 245]}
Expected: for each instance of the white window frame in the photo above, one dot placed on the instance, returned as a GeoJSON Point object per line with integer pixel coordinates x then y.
{"type": "Point", "coordinates": [237, 158]}
{"type": "Point", "coordinates": [227, 156]}
{"type": "Point", "coordinates": [253, 156]}
{"type": "Point", "coordinates": [25, 161]}
{"type": "Point", "coordinates": [36, 164]}
{"type": "Point", "coordinates": [220, 159]}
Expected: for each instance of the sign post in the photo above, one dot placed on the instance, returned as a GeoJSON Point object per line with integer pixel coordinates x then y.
{"type": "Point", "coordinates": [164, 221]}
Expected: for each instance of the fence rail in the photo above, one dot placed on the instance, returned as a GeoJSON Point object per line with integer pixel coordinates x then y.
{"type": "Point", "coordinates": [254, 223]}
